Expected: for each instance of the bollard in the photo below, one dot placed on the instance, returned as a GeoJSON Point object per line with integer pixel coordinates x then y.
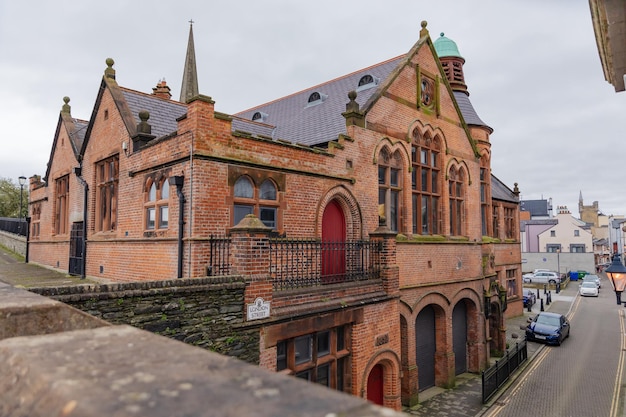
{"type": "Point", "coordinates": [545, 289]}
{"type": "Point", "coordinates": [548, 299]}
{"type": "Point", "coordinates": [558, 287]}
{"type": "Point", "coordinates": [550, 296]}
{"type": "Point", "coordinates": [529, 307]}
{"type": "Point", "coordinates": [541, 307]}
{"type": "Point", "coordinates": [538, 296]}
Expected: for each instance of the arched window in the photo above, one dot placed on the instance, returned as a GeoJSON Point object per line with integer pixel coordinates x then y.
{"type": "Point", "coordinates": [366, 79]}
{"type": "Point", "coordinates": [390, 188]}
{"type": "Point", "coordinates": [262, 202]}
{"type": "Point", "coordinates": [485, 198]}
{"type": "Point", "coordinates": [426, 184]}
{"type": "Point", "coordinates": [157, 204]}
{"type": "Point", "coordinates": [314, 97]}
{"type": "Point", "coordinates": [457, 200]}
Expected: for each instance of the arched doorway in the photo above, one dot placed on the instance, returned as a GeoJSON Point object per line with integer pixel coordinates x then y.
{"type": "Point", "coordinates": [333, 243]}
{"type": "Point", "coordinates": [425, 347]}
{"type": "Point", "coordinates": [459, 337]}
{"type": "Point", "coordinates": [375, 384]}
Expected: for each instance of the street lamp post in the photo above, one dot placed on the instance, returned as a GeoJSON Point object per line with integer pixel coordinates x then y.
{"type": "Point", "coordinates": [617, 275]}
{"type": "Point", "coordinates": [22, 180]}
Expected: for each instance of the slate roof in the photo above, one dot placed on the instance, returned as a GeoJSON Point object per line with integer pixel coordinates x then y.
{"type": "Point", "coordinates": [501, 192]}
{"type": "Point", "coordinates": [78, 136]}
{"type": "Point", "coordinates": [293, 119]}
{"type": "Point", "coordinates": [536, 207]}
{"type": "Point", "coordinates": [469, 114]}
{"type": "Point", "coordinates": [163, 113]}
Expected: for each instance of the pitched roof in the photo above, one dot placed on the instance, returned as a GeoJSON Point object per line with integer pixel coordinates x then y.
{"type": "Point", "coordinates": [163, 112]}
{"type": "Point", "coordinates": [469, 114]}
{"type": "Point", "coordinates": [295, 119]}
{"type": "Point", "coordinates": [501, 192]}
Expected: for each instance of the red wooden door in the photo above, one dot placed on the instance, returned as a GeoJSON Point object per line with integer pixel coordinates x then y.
{"type": "Point", "coordinates": [333, 243]}
{"type": "Point", "coordinates": [375, 385]}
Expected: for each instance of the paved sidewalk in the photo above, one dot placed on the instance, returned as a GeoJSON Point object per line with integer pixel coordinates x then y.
{"type": "Point", "coordinates": [465, 400]}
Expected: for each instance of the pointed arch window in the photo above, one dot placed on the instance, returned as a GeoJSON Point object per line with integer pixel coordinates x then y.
{"type": "Point", "coordinates": [262, 202]}
{"type": "Point", "coordinates": [457, 201]}
{"type": "Point", "coordinates": [61, 218]}
{"type": "Point", "coordinates": [156, 204]}
{"type": "Point", "coordinates": [390, 188]}
{"type": "Point", "coordinates": [485, 200]}
{"type": "Point", "coordinates": [107, 178]}
{"type": "Point", "coordinates": [426, 184]}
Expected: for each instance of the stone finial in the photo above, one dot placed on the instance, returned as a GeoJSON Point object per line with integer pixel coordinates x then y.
{"type": "Point", "coordinates": [515, 189]}
{"type": "Point", "coordinates": [109, 72]}
{"type": "Point", "coordinates": [144, 126]}
{"type": "Point", "coordinates": [424, 31]}
{"type": "Point", "coordinates": [66, 107]}
{"type": "Point", "coordinates": [353, 114]}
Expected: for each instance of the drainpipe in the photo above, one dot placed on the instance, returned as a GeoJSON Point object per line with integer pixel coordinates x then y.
{"type": "Point", "coordinates": [27, 237]}
{"type": "Point", "coordinates": [178, 181]}
{"type": "Point", "coordinates": [78, 171]}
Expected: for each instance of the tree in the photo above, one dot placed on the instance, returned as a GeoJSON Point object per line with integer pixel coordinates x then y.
{"type": "Point", "coordinates": [10, 199]}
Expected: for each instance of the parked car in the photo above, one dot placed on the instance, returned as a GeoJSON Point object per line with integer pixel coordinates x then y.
{"type": "Point", "coordinates": [551, 328]}
{"type": "Point", "coordinates": [588, 288]}
{"type": "Point", "coordinates": [593, 278]}
{"type": "Point", "coordinates": [542, 277]}
{"type": "Point", "coordinates": [529, 299]}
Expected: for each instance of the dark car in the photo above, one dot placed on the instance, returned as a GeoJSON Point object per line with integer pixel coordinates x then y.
{"type": "Point", "coordinates": [529, 299]}
{"type": "Point", "coordinates": [551, 328]}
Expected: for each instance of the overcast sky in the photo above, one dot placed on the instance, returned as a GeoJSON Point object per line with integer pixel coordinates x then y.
{"type": "Point", "coordinates": [532, 69]}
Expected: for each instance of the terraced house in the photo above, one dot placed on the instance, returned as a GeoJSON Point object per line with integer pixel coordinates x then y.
{"type": "Point", "coordinates": [380, 253]}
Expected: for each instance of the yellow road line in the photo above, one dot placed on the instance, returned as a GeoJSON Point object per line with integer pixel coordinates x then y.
{"type": "Point", "coordinates": [620, 367]}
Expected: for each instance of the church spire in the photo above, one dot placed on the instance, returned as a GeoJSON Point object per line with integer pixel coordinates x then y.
{"type": "Point", "coordinates": [189, 88]}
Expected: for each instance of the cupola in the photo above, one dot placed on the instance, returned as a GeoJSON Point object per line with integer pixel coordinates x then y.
{"type": "Point", "coordinates": [452, 62]}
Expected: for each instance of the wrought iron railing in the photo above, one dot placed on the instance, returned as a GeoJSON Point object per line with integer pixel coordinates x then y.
{"type": "Point", "coordinates": [307, 263]}
{"type": "Point", "coordinates": [499, 373]}
{"type": "Point", "coordinates": [219, 256]}
{"type": "Point", "coordinates": [15, 226]}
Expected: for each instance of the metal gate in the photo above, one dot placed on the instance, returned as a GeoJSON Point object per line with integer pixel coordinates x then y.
{"type": "Point", "coordinates": [459, 337]}
{"type": "Point", "coordinates": [425, 346]}
{"type": "Point", "coordinates": [76, 249]}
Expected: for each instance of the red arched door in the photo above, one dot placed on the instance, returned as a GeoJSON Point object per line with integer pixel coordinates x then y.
{"type": "Point", "coordinates": [375, 385]}
{"type": "Point", "coordinates": [333, 243]}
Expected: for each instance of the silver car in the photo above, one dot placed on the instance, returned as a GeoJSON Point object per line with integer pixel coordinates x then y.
{"type": "Point", "coordinates": [588, 288]}
{"type": "Point", "coordinates": [593, 278]}
{"type": "Point", "coordinates": [542, 277]}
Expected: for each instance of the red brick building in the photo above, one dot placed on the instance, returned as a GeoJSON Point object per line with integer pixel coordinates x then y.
{"type": "Point", "coordinates": [381, 253]}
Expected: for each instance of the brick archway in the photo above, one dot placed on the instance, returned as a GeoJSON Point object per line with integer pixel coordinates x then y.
{"type": "Point", "coordinates": [351, 210]}
{"type": "Point", "coordinates": [388, 363]}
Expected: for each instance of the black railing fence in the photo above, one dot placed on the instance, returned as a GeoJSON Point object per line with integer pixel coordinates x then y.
{"type": "Point", "coordinates": [499, 373]}
{"type": "Point", "coordinates": [15, 226]}
{"type": "Point", "coordinates": [306, 263]}
{"type": "Point", "coordinates": [297, 263]}
{"type": "Point", "coordinates": [219, 256]}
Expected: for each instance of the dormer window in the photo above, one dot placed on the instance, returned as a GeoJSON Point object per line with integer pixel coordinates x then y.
{"type": "Point", "coordinates": [316, 98]}
{"type": "Point", "coordinates": [367, 81]}
{"type": "Point", "coordinates": [259, 116]}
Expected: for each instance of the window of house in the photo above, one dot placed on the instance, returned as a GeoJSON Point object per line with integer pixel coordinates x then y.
{"type": "Point", "coordinates": [510, 225]}
{"type": "Point", "coordinates": [390, 187]}
{"type": "Point", "coordinates": [495, 215]}
{"type": "Point", "coordinates": [156, 204]}
{"type": "Point", "coordinates": [35, 221]}
{"type": "Point", "coordinates": [577, 248]}
{"type": "Point", "coordinates": [427, 92]}
{"type": "Point", "coordinates": [262, 202]}
{"type": "Point", "coordinates": [552, 233]}
{"type": "Point", "coordinates": [553, 248]}
{"type": "Point", "coordinates": [484, 201]}
{"type": "Point", "coordinates": [61, 214]}
{"type": "Point", "coordinates": [425, 184]}
{"type": "Point", "coordinates": [457, 200]}
{"type": "Point", "coordinates": [107, 176]}
{"type": "Point", "coordinates": [511, 282]}
{"type": "Point", "coordinates": [321, 357]}
{"type": "Point", "coordinates": [576, 233]}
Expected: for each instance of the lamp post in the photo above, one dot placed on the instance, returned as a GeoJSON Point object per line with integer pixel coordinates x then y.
{"type": "Point", "coordinates": [22, 181]}
{"type": "Point", "coordinates": [617, 275]}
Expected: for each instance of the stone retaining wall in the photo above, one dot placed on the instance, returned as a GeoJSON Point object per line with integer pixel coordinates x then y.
{"type": "Point", "coordinates": [204, 312]}
{"type": "Point", "coordinates": [15, 243]}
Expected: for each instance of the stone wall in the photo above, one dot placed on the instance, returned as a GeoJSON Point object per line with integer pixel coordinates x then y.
{"type": "Point", "coordinates": [204, 312]}
{"type": "Point", "coordinates": [15, 243]}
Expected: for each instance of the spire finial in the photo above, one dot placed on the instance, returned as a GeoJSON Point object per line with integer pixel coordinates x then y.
{"type": "Point", "coordinates": [109, 72]}
{"type": "Point", "coordinates": [66, 107]}
{"type": "Point", "coordinates": [189, 88]}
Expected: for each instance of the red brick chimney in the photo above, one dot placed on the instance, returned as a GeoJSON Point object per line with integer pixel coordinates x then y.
{"type": "Point", "coordinates": [162, 90]}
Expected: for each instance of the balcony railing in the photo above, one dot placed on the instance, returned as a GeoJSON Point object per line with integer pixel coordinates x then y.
{"type": "Point", "coordinates": [308, 263]}
{"type": "Point", "coordinates": [219, 256]}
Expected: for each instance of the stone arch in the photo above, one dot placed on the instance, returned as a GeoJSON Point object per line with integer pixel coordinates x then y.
{"type": "Point", "coordinates": [390, 363]}
{"type": "Point", "coordinates": [351, 210]}
{"type": "Point", "coordinates": [423, 129]}
{"type": "Point", "coordinates": [393, 147]}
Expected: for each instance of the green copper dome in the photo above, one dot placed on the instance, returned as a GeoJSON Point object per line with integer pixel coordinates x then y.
{"type": "Point", "coordinates": [446, 47]}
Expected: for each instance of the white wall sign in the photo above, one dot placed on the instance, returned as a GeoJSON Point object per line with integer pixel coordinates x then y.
{"type": "Point", "coordinates": [260, 309]}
